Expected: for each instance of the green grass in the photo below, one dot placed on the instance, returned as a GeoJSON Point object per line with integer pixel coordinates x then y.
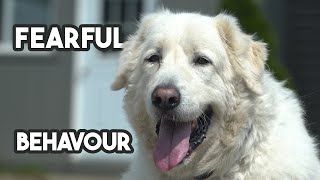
{"type": "Point", "coordinates": [23, 171]}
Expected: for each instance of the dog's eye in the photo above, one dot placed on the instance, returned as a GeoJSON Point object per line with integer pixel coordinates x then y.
{"type": "Point", "coordinates": [153, 58]}
{"type": "Point", "coordinates": [201, 60]}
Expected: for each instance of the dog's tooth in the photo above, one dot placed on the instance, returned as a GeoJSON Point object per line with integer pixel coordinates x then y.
{"type": "Point", "coordinates": [193, 125]}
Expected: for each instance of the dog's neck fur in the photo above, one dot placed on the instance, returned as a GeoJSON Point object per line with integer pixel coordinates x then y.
{"type": "Point", "coordinates": [238, 156]}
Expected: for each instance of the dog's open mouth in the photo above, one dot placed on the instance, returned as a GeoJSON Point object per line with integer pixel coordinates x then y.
{"type": "Point", "coordinates": [176, 141]}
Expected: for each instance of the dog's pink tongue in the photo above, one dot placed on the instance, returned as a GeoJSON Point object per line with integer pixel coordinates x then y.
{"type": "Point", "coordinates": [172, 145]}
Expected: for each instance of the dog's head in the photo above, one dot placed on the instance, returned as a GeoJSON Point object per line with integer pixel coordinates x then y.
{"type": "Point", "coordinates": [183, 74]}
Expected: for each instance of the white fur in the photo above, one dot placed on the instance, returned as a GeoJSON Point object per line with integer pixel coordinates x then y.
{"type": "Point", "coordinates": [257, 131]}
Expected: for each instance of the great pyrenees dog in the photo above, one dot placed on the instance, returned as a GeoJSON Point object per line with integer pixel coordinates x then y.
{"type": "Point", "coordinates": [203, 106]}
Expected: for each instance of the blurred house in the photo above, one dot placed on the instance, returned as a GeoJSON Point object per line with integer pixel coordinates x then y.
{"type": "Point", "coordinates": [61, 90]}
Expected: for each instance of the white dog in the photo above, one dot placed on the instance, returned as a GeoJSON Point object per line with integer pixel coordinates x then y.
{"type": "Point", "coordinates": [203, 106]}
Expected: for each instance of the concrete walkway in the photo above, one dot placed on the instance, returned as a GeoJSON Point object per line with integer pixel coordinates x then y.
{"type": "Point", "coordinates": [57, 177]}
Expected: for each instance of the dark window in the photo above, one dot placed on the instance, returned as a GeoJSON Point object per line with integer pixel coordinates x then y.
{"type": "Point", "coordinates": [302, 54]}
{"type": "Point", "coordinates": [124, 12]}
{"type": "Point", "coordinates": [23, 12]}
{"type": "Point", "coordinates": [33, 11]}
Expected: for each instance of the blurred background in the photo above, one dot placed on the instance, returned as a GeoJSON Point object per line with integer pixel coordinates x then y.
{"type": "Point", "coordinates": [61, 90]}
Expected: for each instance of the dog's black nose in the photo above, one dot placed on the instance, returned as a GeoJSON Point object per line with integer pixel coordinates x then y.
{"type": "Point", "coordinates": [165, 98]}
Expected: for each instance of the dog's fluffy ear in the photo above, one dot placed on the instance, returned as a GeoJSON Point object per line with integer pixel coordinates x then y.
{"type": "Point", "coordinates": [247, 55]}
{"type": "Point", "coordinates": [129, 55]}
{"type": "Point", "coordinates": [127, 63]}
